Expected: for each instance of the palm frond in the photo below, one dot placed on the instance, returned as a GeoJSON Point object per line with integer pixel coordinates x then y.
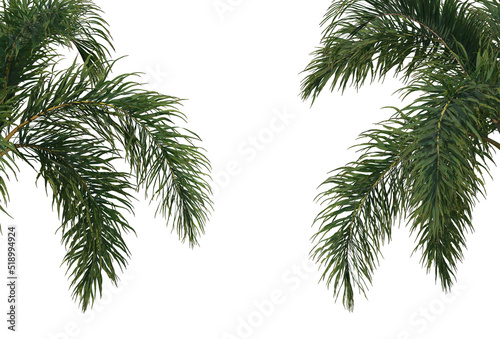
{"type": "Point", "coordinates": [366, 198]}
{"type": "Point", "coordinates": [368, 39]}
{"type": "Point", "coordinates": [32, 30]}
{"type": "Point", "coordinates": [89, 195]}
{"type": "Point", "coordinates": [162, 156]}
{"type": "Point", "coordinates": [446, 177]}
{"type": "Point", "coordinates": [71, 125]}
{"type": "Point", "coordinates": [429, 168]}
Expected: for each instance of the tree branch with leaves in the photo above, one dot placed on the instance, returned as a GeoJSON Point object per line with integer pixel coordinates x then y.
{"type": "Point", "coordinates": [72, 125]}
{"type": "Point", "coordinates": [426, 163]}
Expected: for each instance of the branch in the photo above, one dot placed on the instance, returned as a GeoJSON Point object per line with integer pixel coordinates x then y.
{"type": "Point", "coordinates": [21, 125]}
{"type": "Point", "coordinates": [491, 141]}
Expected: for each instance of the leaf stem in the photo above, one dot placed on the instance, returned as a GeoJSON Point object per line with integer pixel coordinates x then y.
{"type": "Point", "coordinates": [491, 141]}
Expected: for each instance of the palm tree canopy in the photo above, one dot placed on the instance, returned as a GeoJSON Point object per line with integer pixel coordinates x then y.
{"type": "Point", "coordinates": [426, 162]}
{"type": "Point", "coordinates": [71, 124]}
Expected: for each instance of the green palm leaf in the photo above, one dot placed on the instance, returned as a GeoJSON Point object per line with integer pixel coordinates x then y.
{"type": "Point", "coordinates": [72, 125]}
{"type": "Point", "coordinates": [426, 165]}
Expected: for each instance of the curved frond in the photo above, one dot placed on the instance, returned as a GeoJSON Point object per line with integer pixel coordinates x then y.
{"type": "Point", "coordinates": [446, 175]}
{"type": "Point", "coordinates": [363, 204]}
{"type": "Point", "coordinates": [367, 39]}
{"type": "Point", "coordinates": [447, 52]}
{"type": "Point", "coordinates": [71, 126]}
{"type": "Point", "coordinates": [163, 157]}
{"type": "Point", "coordinates": [89, 195]}
{"type": "Point", "coordinates": [32, 29]}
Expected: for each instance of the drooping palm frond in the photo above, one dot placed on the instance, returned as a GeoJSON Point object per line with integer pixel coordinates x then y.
{"type": "Point", "coordinates": [426, 164]}
{"type": "Point", "coordinates": [31, 30]}
{"type": "Point", "coordinates": [363, 201]}
{"type": "Point", "coordinates": [368, 39]}
{"type": "Point", "coordinates": [162, 156]}
{"type": "Point", "coordinates": [71, 125]}
{"type": "Point", "coordinates": [89, 195]}
{"type": "Point", "coordinates": [446, 175]}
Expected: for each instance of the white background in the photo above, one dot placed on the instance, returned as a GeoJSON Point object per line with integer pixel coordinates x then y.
{"type": "Point", "coordinates": [239, 68]}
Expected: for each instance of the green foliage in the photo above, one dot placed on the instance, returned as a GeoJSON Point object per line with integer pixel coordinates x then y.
{"type": "Point", "coordinates": [426, 163]}
{"type": "Point", "coordinates": [71, 126]}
